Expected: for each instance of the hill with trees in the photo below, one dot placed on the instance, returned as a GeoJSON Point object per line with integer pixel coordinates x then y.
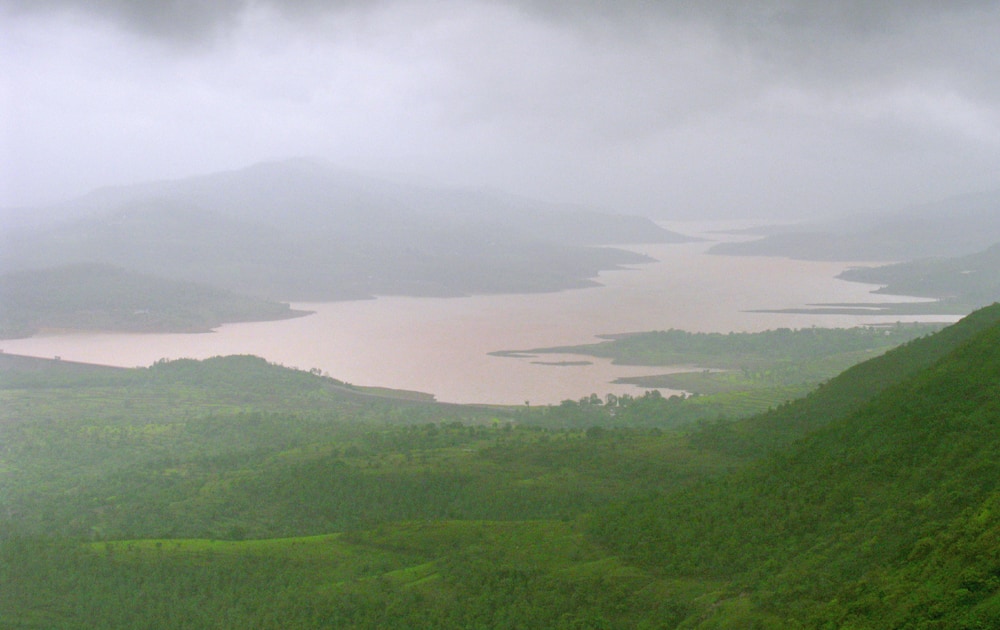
{"type": "Point", "coordinates": [884, 517]}
{"type": "Point", "coordinates": [739, 374]}
{"type": "Point", "coordinates": [236, 493]}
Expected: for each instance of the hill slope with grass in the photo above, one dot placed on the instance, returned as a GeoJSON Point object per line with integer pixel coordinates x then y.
{"type": "Point", "coordinates": [840, 396]}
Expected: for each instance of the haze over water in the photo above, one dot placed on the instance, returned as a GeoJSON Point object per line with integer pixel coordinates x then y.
{"type": "Point", "coordinates": [441, 345]}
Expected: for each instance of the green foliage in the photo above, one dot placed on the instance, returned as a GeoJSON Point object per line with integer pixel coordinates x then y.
{"type": "Point", "coordinates": [743, 374]}
{"type": "Point", "coordinates": [783, 350]}
{"type": "Point", "coordinates": [852, 508]}
{"type": "Point", "coordinates": [842, 395]}
{"type": "Point", "coordinates": [413, 575]}
{"type": "Point", "coordinates": [235, 493]}
{"type": "Point", "coordinates": [205, 449]}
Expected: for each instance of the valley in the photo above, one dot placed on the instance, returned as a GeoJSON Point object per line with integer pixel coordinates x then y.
{"type": "Point", "coordinates": [442, 346]}
{"type": "Point", "coordinates": [234, 492]}
{"type": "Point", "coordinates": [499, 315]}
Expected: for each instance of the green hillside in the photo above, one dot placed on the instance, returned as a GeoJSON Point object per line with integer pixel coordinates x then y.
{"type": "Point", "coordinates": [844, 394]}
{"type": "Point", "coordinates": [958, 285]}
{"type": "Point", "coordinates": [842, 527]}
{"type": "Point", "coordinates": [235, 493]}
{"type": "Point", "coordinates": [739, 374]}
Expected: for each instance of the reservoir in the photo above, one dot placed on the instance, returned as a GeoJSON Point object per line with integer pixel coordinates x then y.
{"type": "Point", "coordinates": [442, 345]}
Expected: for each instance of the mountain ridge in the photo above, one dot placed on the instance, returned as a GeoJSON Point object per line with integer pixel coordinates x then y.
{"type": "Point", "coordinates": [300, 230]}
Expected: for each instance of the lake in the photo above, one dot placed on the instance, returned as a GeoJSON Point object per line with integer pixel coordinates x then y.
{"type": "Point", "coordinates": [442, 345]}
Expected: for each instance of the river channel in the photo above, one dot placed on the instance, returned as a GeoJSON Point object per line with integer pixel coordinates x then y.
{"type": "Point", "coordinates": [442, 345]}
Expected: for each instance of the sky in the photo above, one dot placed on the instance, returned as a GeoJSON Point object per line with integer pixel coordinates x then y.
{"type": "Point", "coordinates": [670, 108]}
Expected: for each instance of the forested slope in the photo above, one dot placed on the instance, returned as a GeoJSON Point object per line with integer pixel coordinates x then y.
{"type": "Point", "coordinates": [885, 514]}
{"type": "Point", "coordinates": [234, 493]}
{"type": "Point", "coordinates": [844, 393]}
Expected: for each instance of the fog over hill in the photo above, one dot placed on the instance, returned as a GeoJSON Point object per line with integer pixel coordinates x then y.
{"type": "Point", "coordinates": [955, 226]}
{"type": "Point", "coordinates": [785, 109]}
{"type": "Point", "coordinates": [971, 281]}
{"type": "Point", "coordinates": [99, 297]}
{"type": "Point", "coordinates": [302, 230]}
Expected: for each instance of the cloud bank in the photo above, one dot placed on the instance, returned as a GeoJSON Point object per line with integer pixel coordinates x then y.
{"type": "Point", "coordinates": [673, 108]}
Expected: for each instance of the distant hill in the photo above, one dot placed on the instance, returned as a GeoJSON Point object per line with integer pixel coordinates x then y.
{"type": "Point", "coordinates": [301, 230]}
{"type": "Point", "coordinates": [972, 281]}
{"type": "Point", "coordinates": [953, 227]}
{"type": "Point", "coordinates": [101, 297]}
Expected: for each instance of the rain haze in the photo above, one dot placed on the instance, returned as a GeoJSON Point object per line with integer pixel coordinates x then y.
{"type": "Point", "coordinates": [499, 314]}
{"type": "Point", "coordinates": [670, 109]}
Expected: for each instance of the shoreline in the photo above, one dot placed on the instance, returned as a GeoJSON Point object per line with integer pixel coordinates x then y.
{"type": "Point", "coordinates": [61, 331]}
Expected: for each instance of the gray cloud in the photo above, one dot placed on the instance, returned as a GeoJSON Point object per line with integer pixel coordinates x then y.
{"type": "Point", "coordinates": [680, 107]}
{"type": "Point", "coordinates": [785, 32]}
{"type": "Point", "coordinates": [186, 20]}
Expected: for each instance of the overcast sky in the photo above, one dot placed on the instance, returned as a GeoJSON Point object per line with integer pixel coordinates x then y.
{"type": "Point", "coordinates": [681, 108]}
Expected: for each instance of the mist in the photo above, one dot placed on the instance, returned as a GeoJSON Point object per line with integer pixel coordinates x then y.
{"type": "Point", "coordinates": [499, 313]}
{"type": "Point", "coordinates": [785, 110]}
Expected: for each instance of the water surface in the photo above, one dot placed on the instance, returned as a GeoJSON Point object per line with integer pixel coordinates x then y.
{"type": "Point", "coordinates": [442, 345]}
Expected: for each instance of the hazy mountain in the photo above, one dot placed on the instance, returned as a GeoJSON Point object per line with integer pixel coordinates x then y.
{"type": "Point", "coordinates": [302, 230]}
{"type": "Point", "coordinates": [953, 227]}
{"type": "Point", "coordinates": [305, 194]}
{"type": "Point", "coordinates": [99, 297]}
{"type": "Point", "coordinates": [972, 280]}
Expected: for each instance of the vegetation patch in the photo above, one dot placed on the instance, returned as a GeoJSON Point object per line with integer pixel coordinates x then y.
{"type": "Point", "coordinates": [130, 500]}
